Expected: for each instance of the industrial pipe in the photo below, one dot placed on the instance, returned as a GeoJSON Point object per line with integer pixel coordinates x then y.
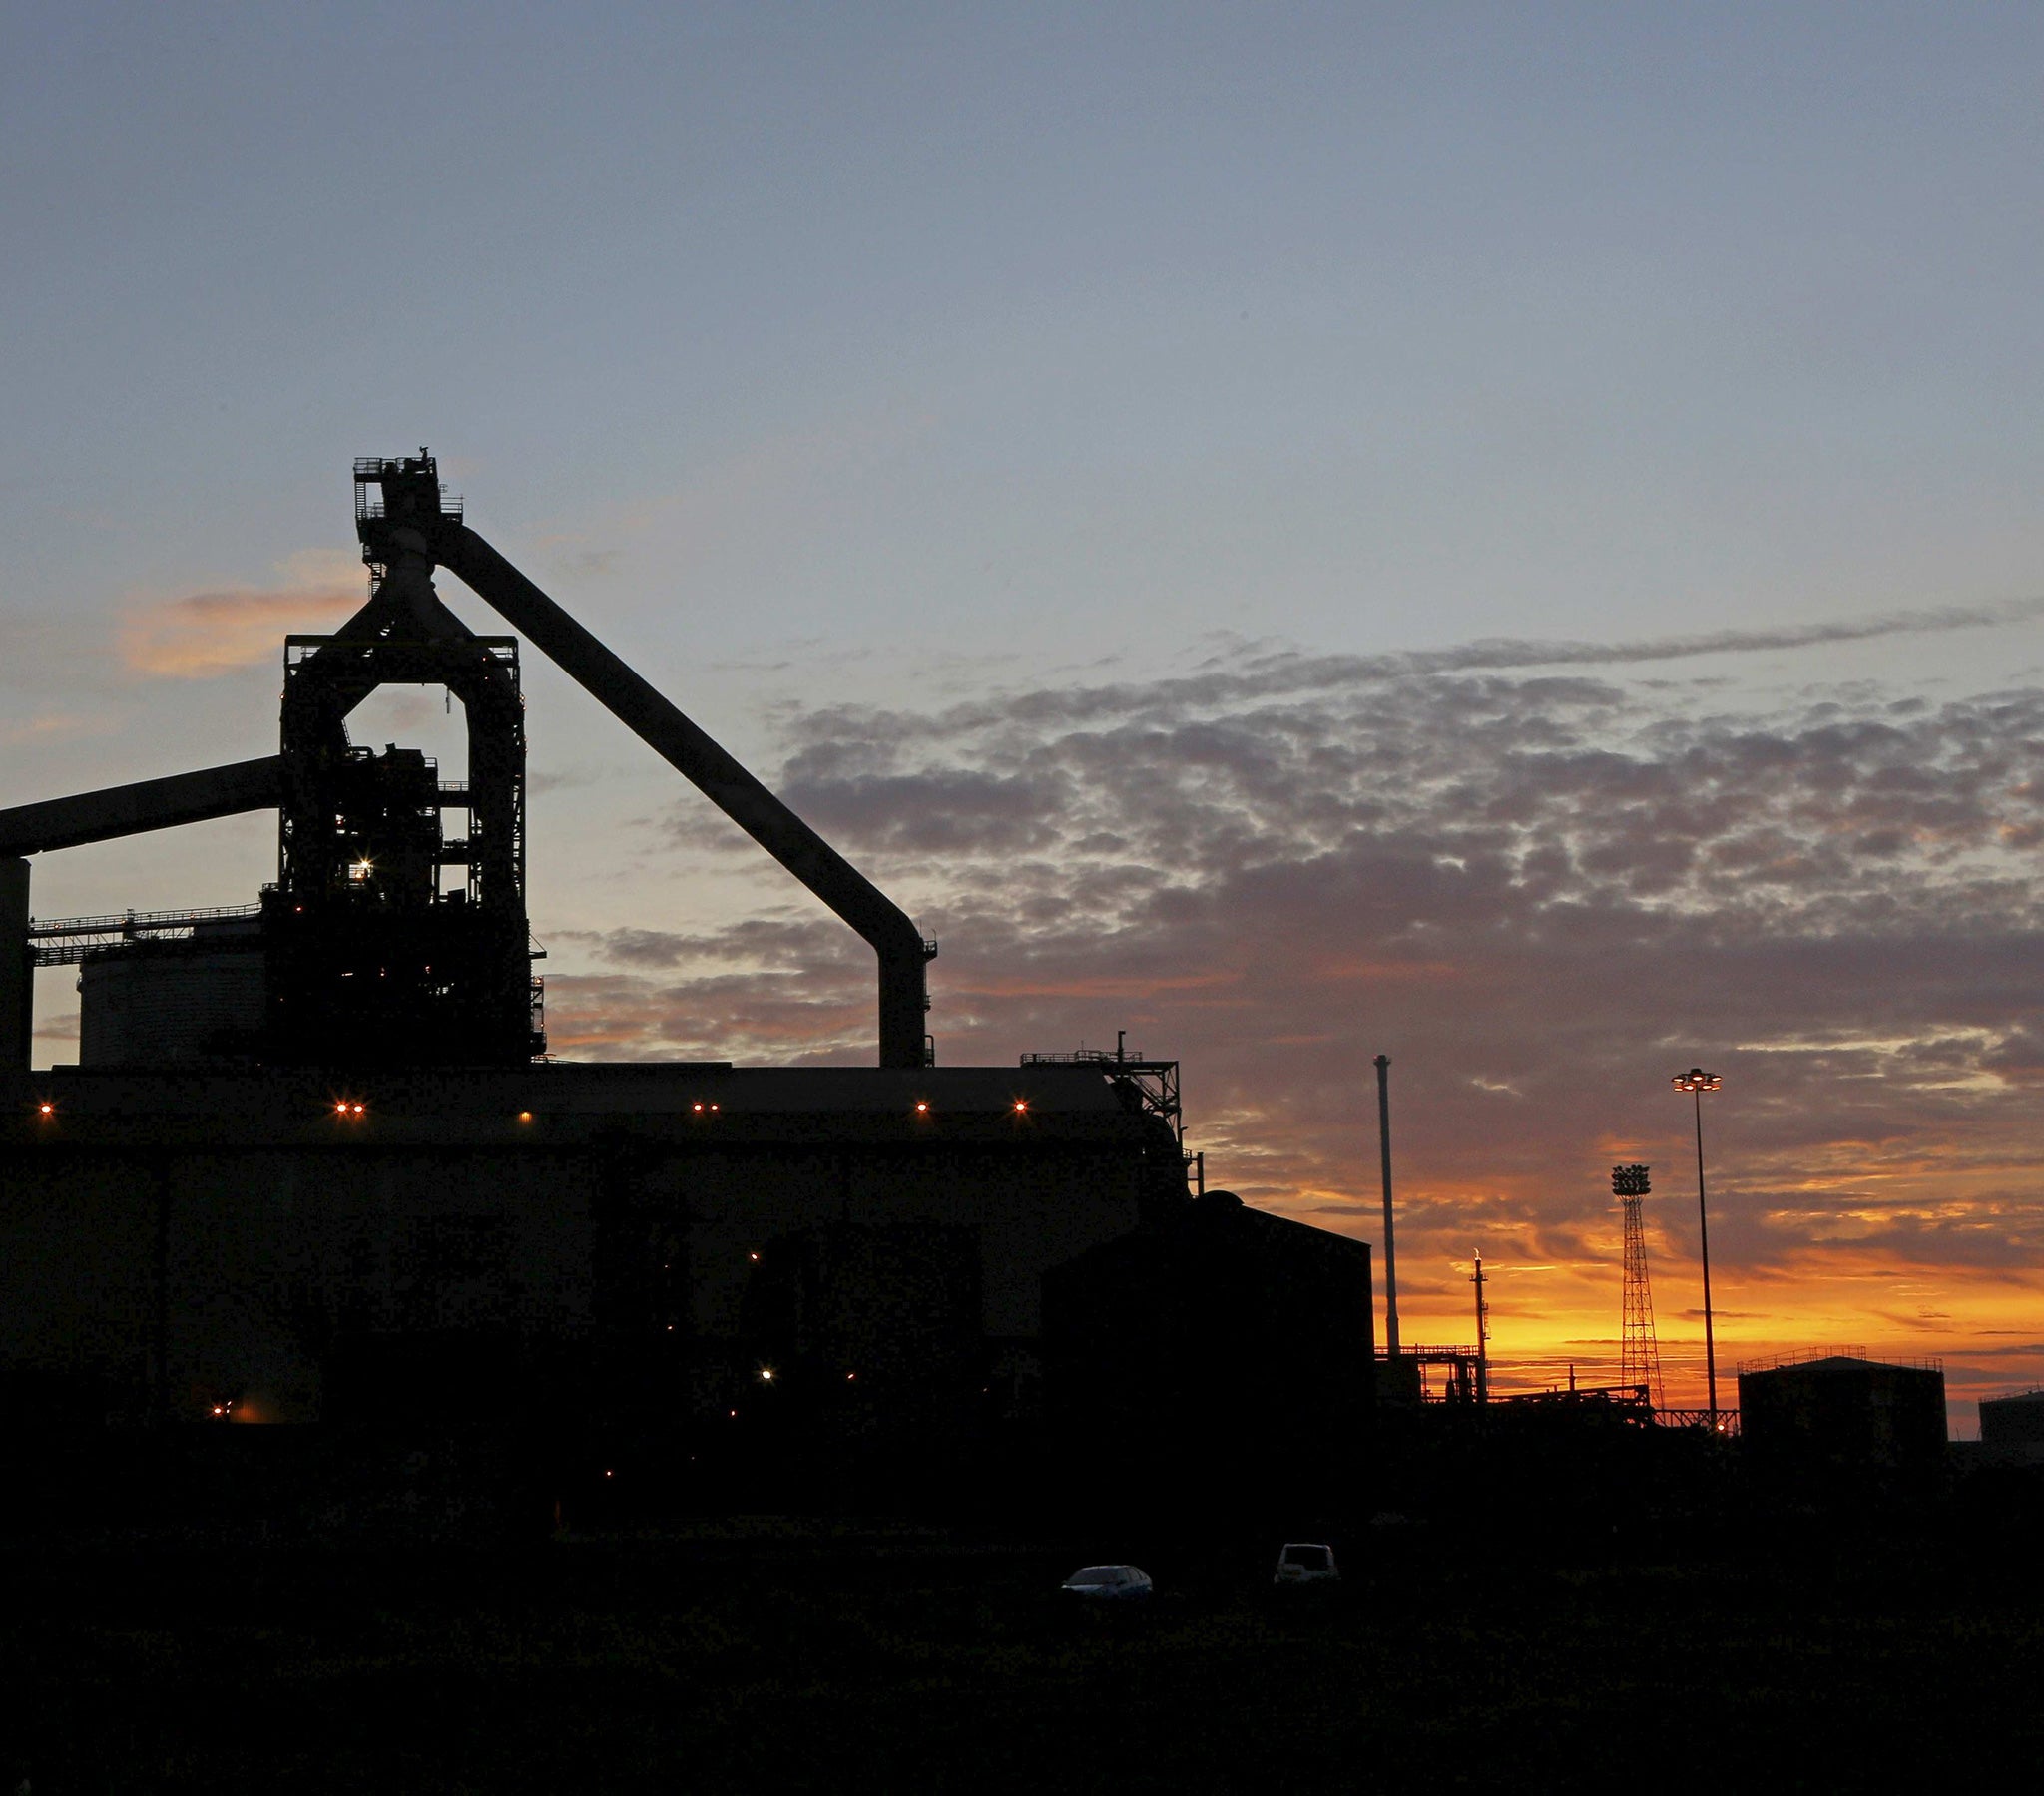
{"type": "Point", "coordinates": [127, 810]}
{"type": "Point", "coordinates": [717, 776]}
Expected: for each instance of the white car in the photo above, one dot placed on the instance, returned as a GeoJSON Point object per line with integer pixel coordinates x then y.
{"type": "Point", "coordinates": [1109, 1584]}
{"type": "Point", "coordinates": [1307, 1562]}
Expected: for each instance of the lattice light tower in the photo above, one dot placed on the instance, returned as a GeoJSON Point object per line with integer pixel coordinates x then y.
{"type": "Point", "coordinates": [1639, 1351]}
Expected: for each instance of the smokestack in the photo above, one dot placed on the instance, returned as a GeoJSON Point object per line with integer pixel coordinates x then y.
{"type": "Point", "coordinates": [1383, 1065]}
{"type": "Point", "coordinates": [1482, 1336]}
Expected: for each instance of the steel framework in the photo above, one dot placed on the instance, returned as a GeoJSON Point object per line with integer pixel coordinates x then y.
{"type": "Point", "coordinates": [361, 844]}
{"type": "Point", "coordinates": [1638, 1349]}
{"type": "Point", "coordinates": [67, 941]}
{"type": "Point", "coordinates": [1153, 1083]}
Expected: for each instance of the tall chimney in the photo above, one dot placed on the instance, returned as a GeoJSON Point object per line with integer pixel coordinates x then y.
{"type": "Point", "coordinates": [1482, 1336]}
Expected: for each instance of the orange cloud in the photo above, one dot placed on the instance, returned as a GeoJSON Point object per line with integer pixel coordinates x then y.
{"type": "Point", "coordinates": [200, 635]}
{"type": "Point", "coordinates": [52, 724]}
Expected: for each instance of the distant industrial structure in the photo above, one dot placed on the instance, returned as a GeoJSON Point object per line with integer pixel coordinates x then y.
{"type": "Point", "coordinates": [1639, 1350]}
{"type": "Point", "coordinates": [314, 1163]}
{"type": "Point", "coordinates": [1841, 1424]}
{"type": "Point", "coordinates": [2012, 1425]}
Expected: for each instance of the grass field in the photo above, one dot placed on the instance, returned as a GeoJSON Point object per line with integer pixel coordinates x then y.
{"type": "Point", "coordinates": [773, 1655]}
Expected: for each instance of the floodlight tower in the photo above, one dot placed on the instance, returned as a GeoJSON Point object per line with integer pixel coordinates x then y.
{"type": "Point", "coordinates": [1639, 1351]}
{"type": "Point", "coordinates": [1697, 1082]}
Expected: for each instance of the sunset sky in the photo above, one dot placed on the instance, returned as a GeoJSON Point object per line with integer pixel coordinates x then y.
{"type": "Point", "coordinates": [1508, 537]}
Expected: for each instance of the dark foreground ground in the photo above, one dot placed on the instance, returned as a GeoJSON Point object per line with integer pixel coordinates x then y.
{"type": "Point", "coordinates": [777, 1656]}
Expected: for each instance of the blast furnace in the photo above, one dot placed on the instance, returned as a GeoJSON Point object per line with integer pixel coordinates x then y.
{"type": "Point", "coordinates": [314, 1164]}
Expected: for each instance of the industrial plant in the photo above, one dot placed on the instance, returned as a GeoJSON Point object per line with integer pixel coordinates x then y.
{"type": "Point", "coordinates": [314, 1164]}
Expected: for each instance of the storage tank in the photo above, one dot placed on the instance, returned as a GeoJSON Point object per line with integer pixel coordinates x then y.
{"type": "Point", "coordinates": [174, 1003]}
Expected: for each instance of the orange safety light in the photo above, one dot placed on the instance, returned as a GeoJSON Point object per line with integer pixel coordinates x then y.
{"type": "Point", "coordinates": [922, 1108]}
{"type": "Point", "coordinates": [1021, 1105]}
{"type": "Point", "coordinates": [46, 1108]}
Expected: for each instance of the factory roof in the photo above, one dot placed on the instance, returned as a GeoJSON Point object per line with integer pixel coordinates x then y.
{"type": "Point", "coordinates": [568, 1100]}
{"type": "Point", "coordinates": [637, 1084]}
{"type": "Point", "coordinates": [1835, 1364]}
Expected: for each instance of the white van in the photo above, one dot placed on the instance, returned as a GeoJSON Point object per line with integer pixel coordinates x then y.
{"type": "Point", "coordinates": [1307, 1562]}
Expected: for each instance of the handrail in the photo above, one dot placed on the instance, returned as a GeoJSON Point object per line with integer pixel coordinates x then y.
{"type": "Point", "coordinates": [132, 922]}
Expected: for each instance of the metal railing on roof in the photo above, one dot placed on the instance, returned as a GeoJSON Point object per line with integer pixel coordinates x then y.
{"type": "Point", "coordinates": [137, 922]}
{"type": "Point", "coordinates": [71, 939]}
{"type": "Point", "coordinates": [1722, 1422]}
{"type": "Point", "coordinates": [1811, 1356]}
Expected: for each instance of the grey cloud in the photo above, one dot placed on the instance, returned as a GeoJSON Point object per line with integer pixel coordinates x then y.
{"type": "Point", "coordinates": [1250, 675]}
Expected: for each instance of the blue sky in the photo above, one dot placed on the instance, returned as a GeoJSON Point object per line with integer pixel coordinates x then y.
{"type": "Point", "coordinates": [1371, 326]}
{"type": "Point", "coordinates": [843, 366]}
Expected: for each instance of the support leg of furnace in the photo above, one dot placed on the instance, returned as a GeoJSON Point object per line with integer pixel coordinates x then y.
{"type": "Point", "coordinates": [17, 969]}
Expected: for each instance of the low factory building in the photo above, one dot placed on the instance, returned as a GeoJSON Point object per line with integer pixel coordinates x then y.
{"type": "Point", "coordinates": [791, 1277]}
{"type": "Point", "coordinates": [1218, 1346]}
{"type": "Point", "coordinates": [220, 1235]}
